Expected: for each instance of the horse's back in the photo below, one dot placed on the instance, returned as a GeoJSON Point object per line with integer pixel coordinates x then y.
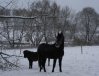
{"type": "Point", "coordinates": [46, 47]}
{"type": "Point", "coordinates": [49, 51]}
{"type": "Point", "coordinates": [33, 56]}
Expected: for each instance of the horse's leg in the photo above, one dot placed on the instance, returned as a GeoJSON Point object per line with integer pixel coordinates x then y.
{"type": "Point", "coordinates": [30, 63]}
{"type": "Point", "coordinates": [43, 64]}
{"type": "Point", "coordinates": [54, 64]}
{"type": "Point", "coordinates": [48, 62]}
{"type": "Point", "coordinates": [40, 64]}
{"type": "Point", "coordinates": [60, 64]}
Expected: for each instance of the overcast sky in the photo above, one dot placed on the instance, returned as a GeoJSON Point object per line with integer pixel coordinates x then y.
{"type": "Point", "coordinates": [76, 5]}
{"type": "Point", "coordinates": [79, 4]}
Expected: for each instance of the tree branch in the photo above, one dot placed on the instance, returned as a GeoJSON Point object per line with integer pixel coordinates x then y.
{"type": "Point", "coordinates": [19, 17]}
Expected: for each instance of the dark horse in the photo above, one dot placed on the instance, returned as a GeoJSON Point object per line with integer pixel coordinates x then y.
{"type": "Point", "coordinates": [31, 56]}
{"type": "Point", "coordinates": [52, 51]}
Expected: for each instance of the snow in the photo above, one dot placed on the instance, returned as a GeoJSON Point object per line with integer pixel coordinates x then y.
{"type": "Point", "coordinates": [74, 63]}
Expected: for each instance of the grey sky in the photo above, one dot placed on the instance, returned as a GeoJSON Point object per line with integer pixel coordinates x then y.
{"type": "Point", "coordinates": [76, 5]}
{"type": "Point", "coordinates": [79, 4]}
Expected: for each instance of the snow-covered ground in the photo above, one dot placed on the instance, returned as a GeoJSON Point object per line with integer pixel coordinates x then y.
{"type": "Point", "coordinates": [74, 63]}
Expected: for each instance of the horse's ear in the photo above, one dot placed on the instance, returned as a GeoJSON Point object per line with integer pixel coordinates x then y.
{"type": "Point", "coordinates": [59, 32]}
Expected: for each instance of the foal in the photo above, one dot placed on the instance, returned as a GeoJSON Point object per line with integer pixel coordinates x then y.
{"type": "Point", "coordinates": [31, 56]}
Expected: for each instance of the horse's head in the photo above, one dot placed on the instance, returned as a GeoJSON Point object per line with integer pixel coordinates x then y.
{"type": "Point", "coordinates": [25, 52]}
{"type": "Point", "coordinates": [59, 40]}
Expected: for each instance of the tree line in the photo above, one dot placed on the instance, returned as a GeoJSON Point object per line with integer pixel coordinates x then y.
{"type": "Point", "coordinates": [41, 22]}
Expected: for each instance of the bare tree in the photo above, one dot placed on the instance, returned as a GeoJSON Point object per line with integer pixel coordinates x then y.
{"type": "Point", "coordinates": [88, 23]}
{"type": "Point", "coordinates": [41, 9]}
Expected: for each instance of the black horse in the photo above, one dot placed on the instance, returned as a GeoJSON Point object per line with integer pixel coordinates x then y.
{"type": "Point", "coordinates": [31, 56]}
{"type": "Point", "coordinates": [52, 51]}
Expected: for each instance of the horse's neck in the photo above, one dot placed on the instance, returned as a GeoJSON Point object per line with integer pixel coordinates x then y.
{"type": "Point", "coordinates": [62, 45]}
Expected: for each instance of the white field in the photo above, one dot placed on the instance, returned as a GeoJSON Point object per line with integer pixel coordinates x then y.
{"type": "Point", "coordinates": [74, 63]}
